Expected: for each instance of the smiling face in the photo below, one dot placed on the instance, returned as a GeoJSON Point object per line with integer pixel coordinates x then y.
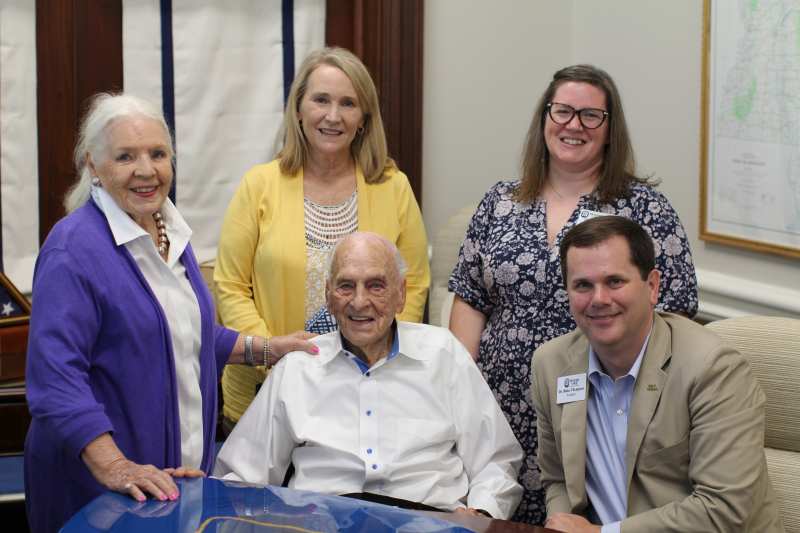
{"type": "Point", "coordinates": [610, 301]}
{"type": "Point", "coordinates": [330, 112]}
{"type": "Point", "coordinates": [364, 293]}
{"type": "Point", "coordinates": [136, 166]}
{"type": "Point", "coordinates": [571, 146]}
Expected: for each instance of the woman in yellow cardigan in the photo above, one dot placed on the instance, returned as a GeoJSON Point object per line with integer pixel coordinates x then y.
{"type": "Point", "coordinates": [332, 177]}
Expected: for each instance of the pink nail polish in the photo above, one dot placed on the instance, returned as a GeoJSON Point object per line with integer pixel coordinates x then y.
{"type": "Point", "coordinates": [173, 496]}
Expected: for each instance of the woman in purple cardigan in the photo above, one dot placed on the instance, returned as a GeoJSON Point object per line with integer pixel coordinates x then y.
{"type": "Point", "coordinates": [123, 354]}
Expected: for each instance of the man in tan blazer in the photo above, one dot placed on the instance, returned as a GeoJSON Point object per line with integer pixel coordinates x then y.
{"type": "Point", "coordinates": [646, 421]}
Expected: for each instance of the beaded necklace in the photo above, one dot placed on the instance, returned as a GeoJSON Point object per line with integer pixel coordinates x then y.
{"type": "Point", "coordinates": [163, 240]}
{"type": "Point", "coordinates": [325, 224]}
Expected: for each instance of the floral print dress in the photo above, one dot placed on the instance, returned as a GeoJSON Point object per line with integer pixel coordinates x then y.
{"type": "Point", "coordinates": [507, 271]}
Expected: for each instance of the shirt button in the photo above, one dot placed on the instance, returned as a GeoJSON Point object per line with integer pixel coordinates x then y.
{"type": "Point", "coordinates": [374, 467]}
{"type": "Point", "coordinates": [369, 451]}
{"type": "Point", "coordinates": [369, 412]}
{"type": "Point", "coordinates": [620, 412]}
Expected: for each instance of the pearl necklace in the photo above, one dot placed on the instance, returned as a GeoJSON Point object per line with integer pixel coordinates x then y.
{"type": "Point", "coordinates": [163, 240]}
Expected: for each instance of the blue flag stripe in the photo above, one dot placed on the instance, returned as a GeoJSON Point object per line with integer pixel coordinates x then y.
{"type": "Point", "coordinates": [287, 27]}
{"type": "Point", "coordinates": [168, 79]}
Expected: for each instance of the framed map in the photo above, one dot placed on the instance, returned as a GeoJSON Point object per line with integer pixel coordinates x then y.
{"type": "Point", "coordinates": [750, 131]}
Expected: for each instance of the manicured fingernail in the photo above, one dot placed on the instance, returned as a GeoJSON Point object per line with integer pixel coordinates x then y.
{"type": "Point", "coordinates": [315, 350]}
{"type": "Point", "coordinates": [162, 497]}
{"type": "Point", "coordinates": [173, 496]}
{"type": "Point", "coordinates": [140, 498]}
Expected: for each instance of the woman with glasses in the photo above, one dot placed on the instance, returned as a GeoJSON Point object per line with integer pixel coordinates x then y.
{"type": "Point", "coordinates": [510, 298]}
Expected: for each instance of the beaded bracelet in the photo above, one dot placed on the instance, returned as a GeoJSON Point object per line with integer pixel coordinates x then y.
{"type": "Point", "coordinates": [266, 353]}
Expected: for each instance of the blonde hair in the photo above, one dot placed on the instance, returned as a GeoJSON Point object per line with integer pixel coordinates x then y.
{"type": "Point", "coordinates": [368, 148]}
{"type": "Point", "coordinates": [104, 108]}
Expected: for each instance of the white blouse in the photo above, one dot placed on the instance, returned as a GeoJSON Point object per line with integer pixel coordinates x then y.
{"type": "Point", "coordinates": [172, 289]}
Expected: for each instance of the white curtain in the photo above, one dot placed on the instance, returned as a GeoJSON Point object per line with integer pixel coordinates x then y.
{"type": "Point", "coordinates": [228, 90]}
{"type": "Point", "coordinates": [19, 168]}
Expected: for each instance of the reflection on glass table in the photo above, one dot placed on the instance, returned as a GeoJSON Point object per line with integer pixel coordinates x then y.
{"type": "Point", "coordinates": [213, 506]}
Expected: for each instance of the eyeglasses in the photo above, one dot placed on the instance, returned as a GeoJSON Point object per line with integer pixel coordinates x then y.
{"type": "Point", "coordinates": [589, 117]}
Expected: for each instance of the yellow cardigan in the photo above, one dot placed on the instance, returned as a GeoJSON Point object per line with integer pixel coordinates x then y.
{"type": "Point", "coordinates": [261, 261]}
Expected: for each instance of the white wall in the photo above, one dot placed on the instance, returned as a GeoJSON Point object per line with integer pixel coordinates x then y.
{"type": "Point", "coordinates": [485, 65]}
{"type": "Point", "coordinates": [487, 62]}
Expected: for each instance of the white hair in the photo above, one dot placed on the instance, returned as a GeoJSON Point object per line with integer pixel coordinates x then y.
{"type": "Point", "coordinates": [399, 262]}
{"type": "Point", "coordinates": [104, 108]}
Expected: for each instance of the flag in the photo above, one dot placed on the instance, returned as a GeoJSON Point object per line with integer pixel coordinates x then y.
{"type": "Point", "coordinates": [221, 76]}
{"type": "Point", "coordinates": [19, 168]}
{"type": "Point", "coordinates": [221, 71]}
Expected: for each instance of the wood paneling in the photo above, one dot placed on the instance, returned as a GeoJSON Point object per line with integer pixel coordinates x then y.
{"type": "Point", "coordinates": [15, 420]}
{"type": "Point", "coordinates": [13, 345]}
{"type": "Point", "coordinates": [78, 53]}
{"type": "Point", "coordinates": [387, 36]}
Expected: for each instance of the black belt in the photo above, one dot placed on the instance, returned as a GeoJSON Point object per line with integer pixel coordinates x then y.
{"type": "Point", "coordinates": [394, 502]}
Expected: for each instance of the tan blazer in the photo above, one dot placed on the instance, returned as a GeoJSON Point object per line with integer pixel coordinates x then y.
{"type": "Point", "coordinates": [694, 457]}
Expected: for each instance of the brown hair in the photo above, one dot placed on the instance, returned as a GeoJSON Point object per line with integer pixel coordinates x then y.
{"type": "Point", "coordinates": [368, 148]}
{"type": "Point", "coordinates": [600, 229]}
{"type": "Point", "coordinates": [617, 171]}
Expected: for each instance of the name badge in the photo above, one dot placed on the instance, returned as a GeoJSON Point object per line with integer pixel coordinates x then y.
{"type": "Point", "coordinates": [571, 388]}
{"type": "Point", "coordinates": [586, 214]}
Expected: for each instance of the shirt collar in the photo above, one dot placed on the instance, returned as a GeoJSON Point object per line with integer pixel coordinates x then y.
{"type": "Point", "coordinates": [411, 345]}
{"type": "Point", "coordinates": [596, 368]}
{"type": "Point", "coordinates": [393, 350]}
{"type": "Point", "coordinates": [125, 230]}
{"type": "Point", "coordinates": [339, 349]}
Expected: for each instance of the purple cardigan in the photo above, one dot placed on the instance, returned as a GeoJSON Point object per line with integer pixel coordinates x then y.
{"type": "Point", "coordinates": [100, 360]}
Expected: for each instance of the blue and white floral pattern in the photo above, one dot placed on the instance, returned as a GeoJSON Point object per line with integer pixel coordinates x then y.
{"type": "Point", "coordinates": [507, 271]}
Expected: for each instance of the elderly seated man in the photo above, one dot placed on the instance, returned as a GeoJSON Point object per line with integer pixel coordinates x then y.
{"type": "Point", "coordinates": [389, 408]}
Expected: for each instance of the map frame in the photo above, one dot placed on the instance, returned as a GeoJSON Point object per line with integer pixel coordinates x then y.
{"type": "Point", "coordinates": [740, 237]}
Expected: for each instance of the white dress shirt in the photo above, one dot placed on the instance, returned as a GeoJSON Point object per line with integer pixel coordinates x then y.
{"type": "Point", "coordinates": [422, 426]}
{"type": "Point", "coordinates": [174, 292]}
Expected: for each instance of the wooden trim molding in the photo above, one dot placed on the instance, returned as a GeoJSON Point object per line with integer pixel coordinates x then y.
{"type": "Point", "coordinates": [387, 36]}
